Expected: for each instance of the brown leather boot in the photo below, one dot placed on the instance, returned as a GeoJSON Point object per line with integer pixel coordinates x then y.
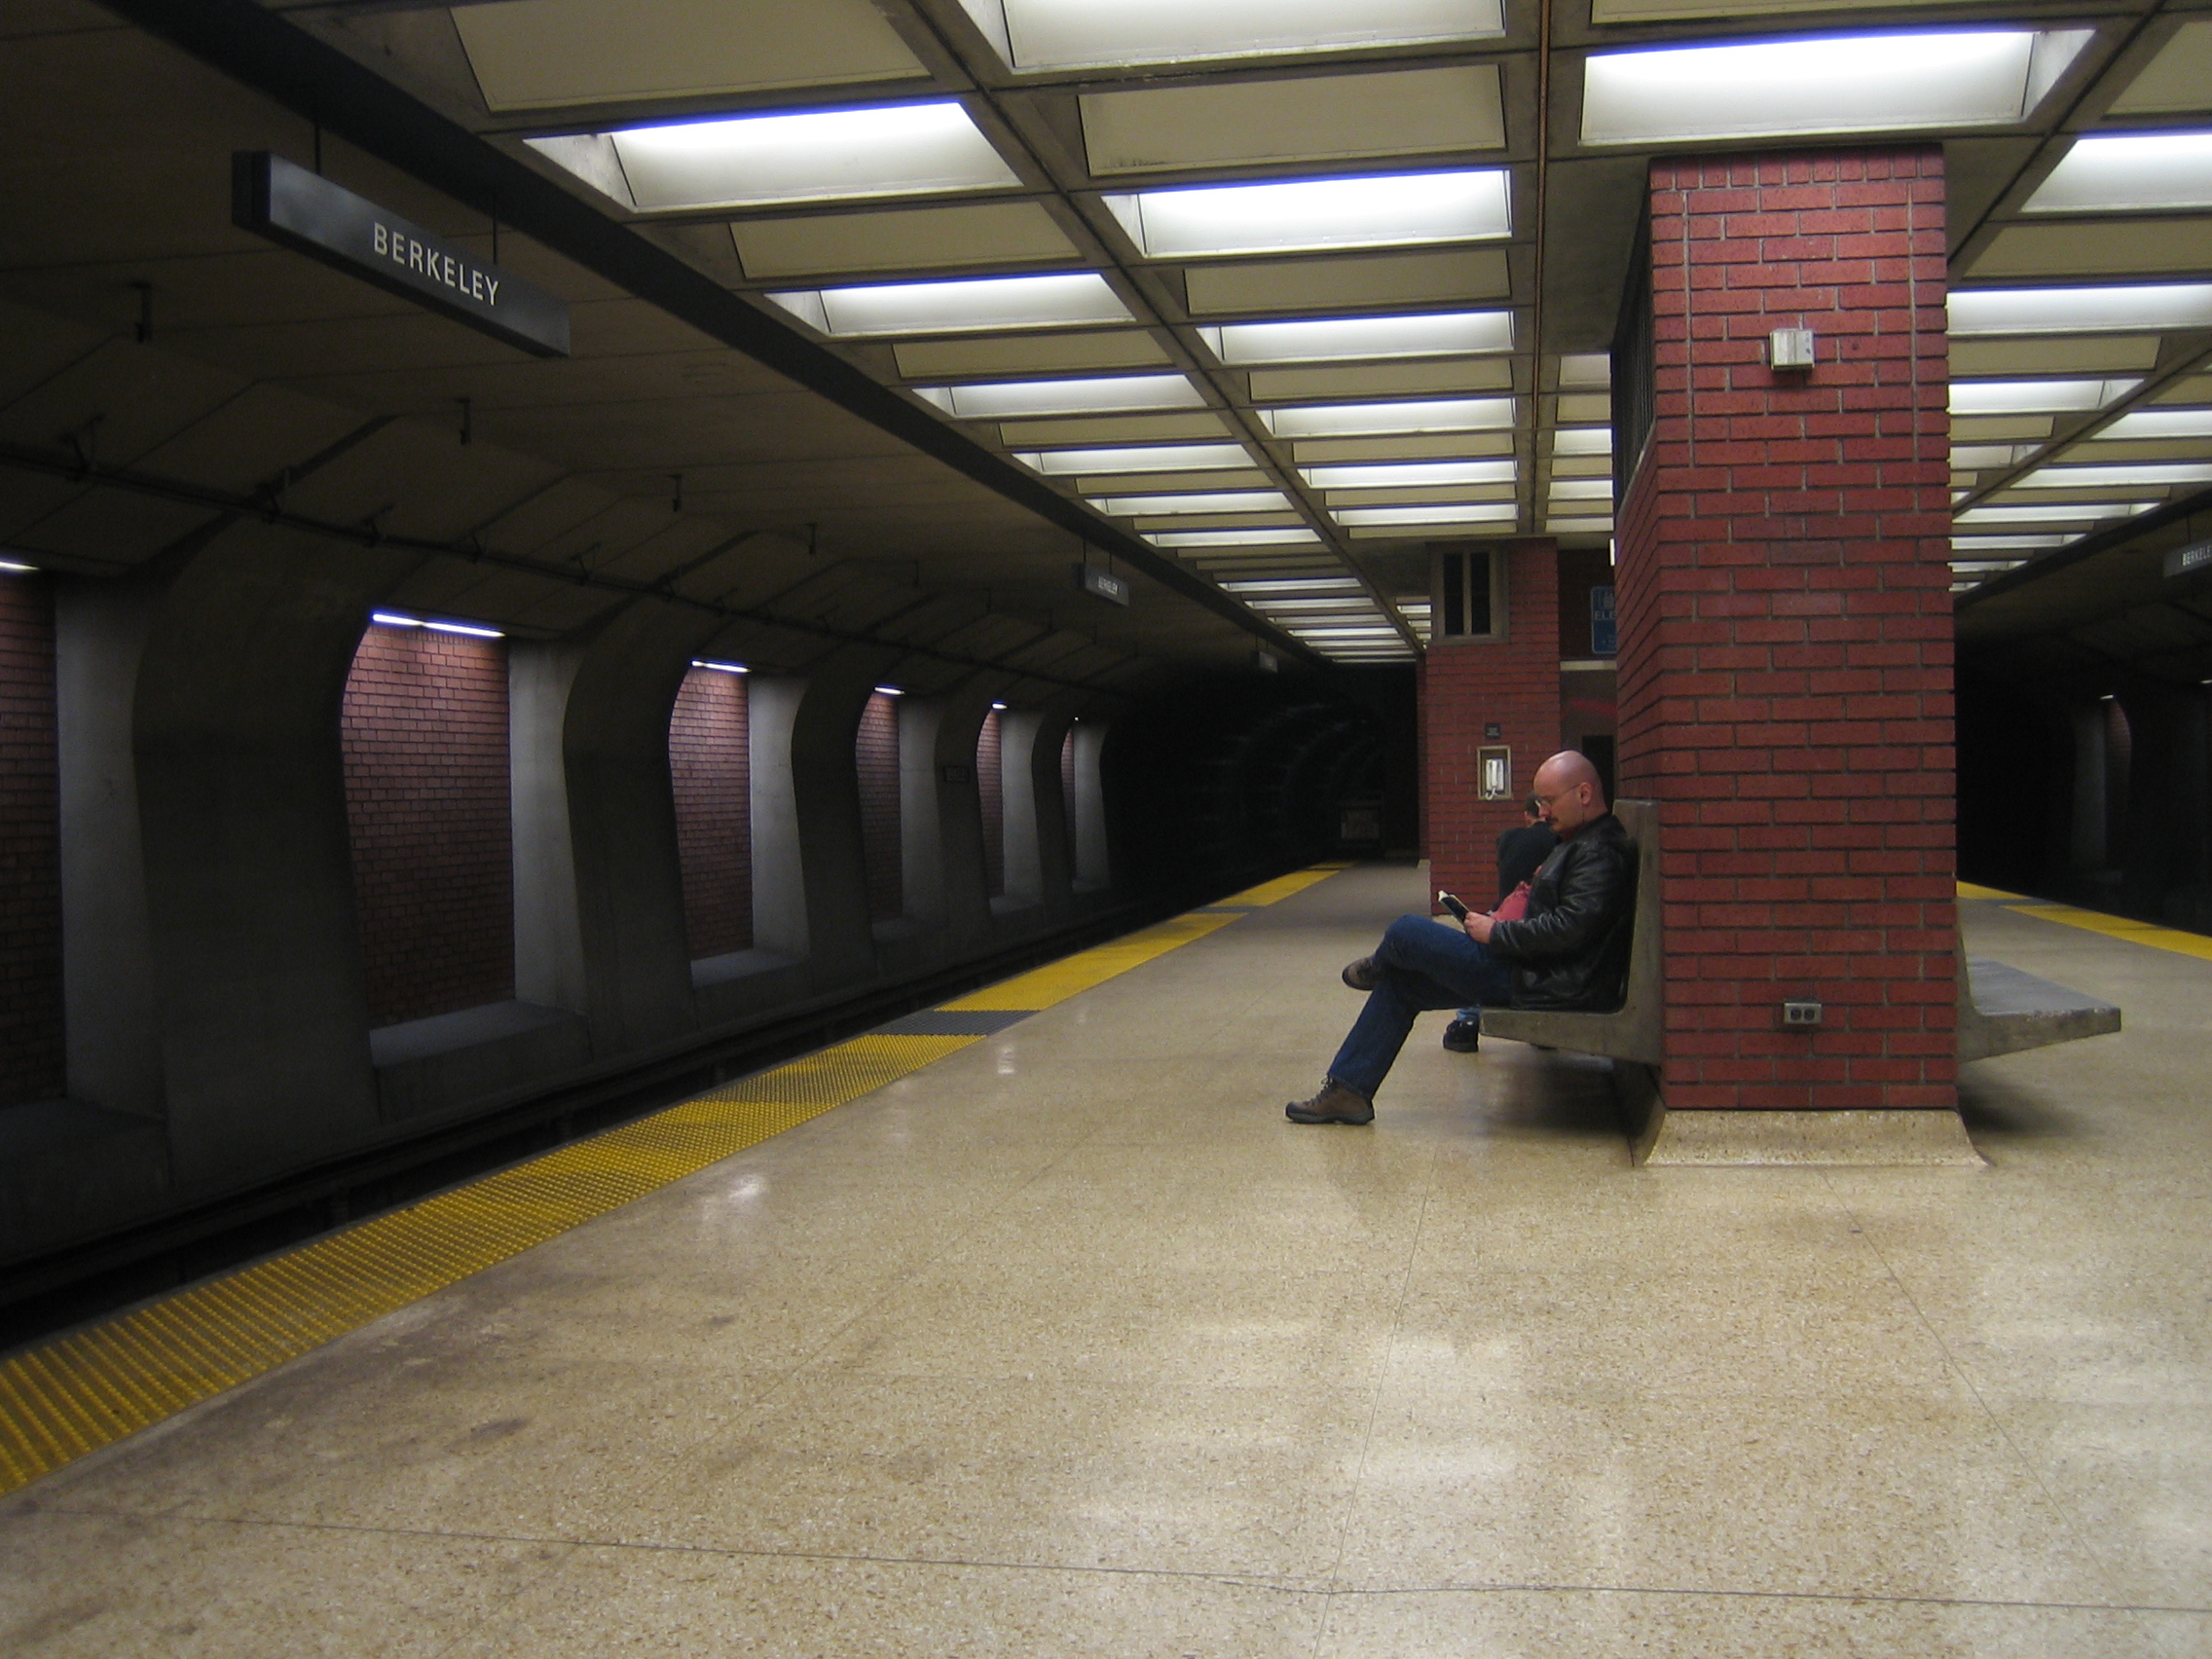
{"type": "Point", "coordinates": [1335, 1104]}
{"type": "Point", "coordinates": [1364, 974]}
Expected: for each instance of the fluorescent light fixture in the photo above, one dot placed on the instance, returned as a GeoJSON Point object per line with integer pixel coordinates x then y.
{"type": "Point", "coordinates": [1502, 512]}
{"type": "Point", "coordinates": [1583, 440]}
{"type": "Point", "coordinates": [2161, 424]}
{"type": "Point", "coordinates": [1085, 34]}
{"type": "Point", "coordinates": [1378, 419]}
{"type": "Point", "coordinates": [2079, 310]}
{"type": "Point", "coordinates": [1284, 538]}
{"type": "Point", "coordinates": [2116, 477]}
{"type": "Point", "coordinates": [1993, 543]}
{"type": "Point", "coordinates": [1155, 457]}
{"type": "Point", "coordinates": [999, 708]}
{"type": "Point", "coordinates": [1578, 525]}
{"type": "Point", "coordinates": [1866, 83]}
{"type": "Point", "coordinates": [2129, 171]}
{"type": "Point", "coordinates": [1966, 456]}
{"type": "Point", "coordinates": [1385, 211]}
{"type": "Point", "coordinates": [1205, 501]}
{"type": "Point", "coordinates": [1582, 490]}
{"type": "Point", "coordinates": [2036, 397]}
{"type": "Point", "coordinates": [720, 667]}
{"type": "Point", "coordinates": [1070, 300]}
{"type": "Point", "coordinates": [16, 568]}
{"type": "Point", "coordinates": [755, 160]}
{"type": "Point", "coordinates": [1110, 395]}
{"type": "Point", "coordinates": [1443, 334]}
{"type": "Point", "coordinates": [889, 692]}
{"type": "Point", "coordinates": [1408, 474]}
{"type": "Point", "coordinates": [394, 619]}
{"type": "Point", "coordinates": [1294, 584]}
{"type": "Point", "coordinates": [2073, 511]}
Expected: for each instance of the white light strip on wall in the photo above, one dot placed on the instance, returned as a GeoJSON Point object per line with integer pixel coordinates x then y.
{"type": "Point", "coordinates": [889, 692]}
{"type": "Point", "coordinates": [14, 568]}
{"type": "Point", "coordinates": [1310, 216]}
{"type": "Point", "coordinates": [394, 619]}
{"type": "Point", "coordinates": [720, 667]}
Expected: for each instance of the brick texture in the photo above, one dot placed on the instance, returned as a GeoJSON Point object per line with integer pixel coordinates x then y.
{"type": "Point", "coordinates": [31, 1053]}
{"type": "Point", "coordinates": [427, 795]}
{"type": "Point", "coordinates": [876, 755]}
{"type": "Point", "coordinates": [1067, 774]}
{"type": "Point", "coordinates": [1469, 684]}
{"type": "Point", "coordinates": [1785, 630]}
{"type": "Point", "coordinates": [990, 785]}
{"type": "Point", "coordinates": [710, 759]}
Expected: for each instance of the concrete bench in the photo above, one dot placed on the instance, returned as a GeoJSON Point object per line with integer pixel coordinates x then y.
{"type": "Point", "coordinates": [2001, 1009]}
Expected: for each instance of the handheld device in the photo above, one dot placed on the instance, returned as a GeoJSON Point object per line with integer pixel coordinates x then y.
{"type": "Point", "coordinates": [1451, 904]}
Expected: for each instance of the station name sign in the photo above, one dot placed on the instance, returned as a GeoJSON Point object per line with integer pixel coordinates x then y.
{"type": "Point", "coordinates": [305, 211]}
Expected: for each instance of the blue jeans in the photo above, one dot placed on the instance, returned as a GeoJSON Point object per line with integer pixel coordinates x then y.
{"type": "Point", "coordinates": [1424, 966]}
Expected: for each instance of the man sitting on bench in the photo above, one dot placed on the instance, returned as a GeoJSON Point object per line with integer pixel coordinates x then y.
{"type": "Point", "coordinates": [1570, 951]}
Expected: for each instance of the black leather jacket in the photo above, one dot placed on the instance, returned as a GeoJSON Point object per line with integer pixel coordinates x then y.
{"type": "Point", "coordinates": [1571, 951]}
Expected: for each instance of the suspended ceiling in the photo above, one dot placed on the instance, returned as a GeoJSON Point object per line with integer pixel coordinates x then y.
{"type": "Point", "coordinates": [1277, 289]}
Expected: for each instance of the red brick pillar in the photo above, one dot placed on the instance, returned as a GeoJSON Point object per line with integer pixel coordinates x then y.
{"type": "Point", "coordinates": [1508, 680]}
{"type": "Point", "coordinates": [1786, 638]}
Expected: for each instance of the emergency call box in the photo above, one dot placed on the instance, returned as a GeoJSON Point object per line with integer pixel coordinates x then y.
{"type": "Point", "coordinates": [1495, 768]}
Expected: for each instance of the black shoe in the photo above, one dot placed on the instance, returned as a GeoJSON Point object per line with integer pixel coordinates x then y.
{"type": "Point", "coordinates": [1335, 1104]}
{"type": "Point", "coordinates": [1364, 974]}
{"type": "Point", "coordinates": [1463, 1036]}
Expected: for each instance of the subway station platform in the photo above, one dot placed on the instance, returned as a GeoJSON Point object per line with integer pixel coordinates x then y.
{"type": "Point", "coordinates": [1062, 1341]}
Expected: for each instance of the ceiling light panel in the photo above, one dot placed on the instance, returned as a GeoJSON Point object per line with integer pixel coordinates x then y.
{"type": "Point", "coordinates": [1367, 281]}
{"type": "Point", "coordinates": [1204, 501]}
{"type": "Point", "coordinates": [1998, 543]}
{"type": "Point", "coordinates": [1236, 539]}
{"type": "Point", "coordinates": [2133, 170]}
{"type": "Point", "coordinates": [1428, 446]}
{"type": "Point", "coordinates": [1326, 118]}
{"type": "Point", "coordinates": [1295, 584]}
{"type": "Point", "coordinates": [1003, 399]}
{"type": "Point", "coordinates": [1345, 339]}
{"type": "Point", "coordinates": [1342, 382]}
{"type": "Point", "coordinates": [545, 53]}
{"type": "Point", "coordinates": [1471, 513]}
{"type": "Point", "coordinates": [1968, 457]}
{"type": "Point", "coordinates": [1845, 84]}
{"type": "Point", "coordinates": [902, 239]}
{"type": "Point", "coordinates": [1371, 420]}
{"type": "Point", "coordinates": [1164, 458]}
{"type": "Point", "coordinates": [2011, 397]}
{"type": "Point", "coordinates": [2116, 477]}
{"type": "Point", "coordinates": [2179, 78]}
{"type": "Point", "coordinates": [1073, 299]}
{"type": "Point", "coordinates": [1582, 490]}
{"type": "Point", "coordinates": [2080, 310]}
{"type": "Point", "coordinates": [1408, 475]}
{"type": "Point", "coordinates": [1388, 210]}
{"type": "Point", "coordinates": [2161, 424]}
{"type": "Point", "coordinates": [2074, 512]}
{"type": "Point", "coordinates": [1085, 34]}
{"type": "Point", "coordinates": [1583, 440]}
{"type": "Point", "coordinates": [764, 159]}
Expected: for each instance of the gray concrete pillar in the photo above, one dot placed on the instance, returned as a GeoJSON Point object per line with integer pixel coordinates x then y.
{"type": "Point", "coordinates": [112, 1008]}
{"type": "Point", "coordinates": [1086, 812]}
{"type": "Point", "coordinates": [549, 945]}
{"type": "Point", "coordinates": [248, 857]}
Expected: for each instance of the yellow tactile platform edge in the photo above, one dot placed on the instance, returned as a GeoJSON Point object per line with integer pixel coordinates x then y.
{"type": "Point", "coordinates": [74, 1394]}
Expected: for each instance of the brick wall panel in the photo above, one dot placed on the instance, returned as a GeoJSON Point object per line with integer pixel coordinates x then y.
{"type": "Point", "coordinates": [32, 1057]}
{"type": "Point", "coordinates": [427, 797]}
{"type": "Point", "coordinates": [875, 754]}
{"type": "Point", "coordinates": [711, 763]}
{"type": "Point", "coordinates": [990, 786]}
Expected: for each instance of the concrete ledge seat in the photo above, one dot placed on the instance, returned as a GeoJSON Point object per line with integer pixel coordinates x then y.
{"type": "Point", "coordinates": [2001, 1009]}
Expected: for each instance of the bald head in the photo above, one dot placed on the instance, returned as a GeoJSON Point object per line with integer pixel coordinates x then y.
{"type": "Point", "coordinates": [1570, 791]}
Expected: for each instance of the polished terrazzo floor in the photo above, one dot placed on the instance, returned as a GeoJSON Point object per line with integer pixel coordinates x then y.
{"type": "Point", "coordinates": [1070, 1345]}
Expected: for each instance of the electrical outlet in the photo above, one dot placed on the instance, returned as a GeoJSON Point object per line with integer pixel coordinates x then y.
{"type": "Point", "coordinates": [1789, 348]}
{"type": "Point", "coordinates": [1799, 1015]}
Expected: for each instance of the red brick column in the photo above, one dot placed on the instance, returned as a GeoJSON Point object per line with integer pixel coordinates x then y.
{"type": "Point", "coordinates": [876, 755]}
{"type": "Point", "coordinates": [1509, 680]}
{"type": "Point", "coordinates": [1785, 631]}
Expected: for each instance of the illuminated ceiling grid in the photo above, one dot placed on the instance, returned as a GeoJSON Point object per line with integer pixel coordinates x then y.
{"type": "Point", "coordinates": [1264, 285]}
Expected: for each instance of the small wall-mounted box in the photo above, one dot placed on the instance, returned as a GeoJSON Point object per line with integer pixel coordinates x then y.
{"type": "Point", "coordinates": [1789, 348]}
{"type": "Point", "coordinates": [1800, 1015]}
{"type": "Point", "coordinates": [1493, 767]}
